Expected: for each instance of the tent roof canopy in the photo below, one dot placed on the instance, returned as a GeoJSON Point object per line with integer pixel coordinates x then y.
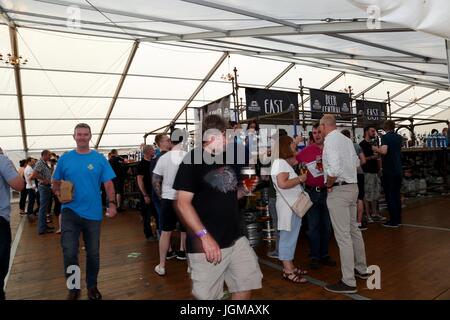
{"type": "Point", "coordinates": [128, 68]}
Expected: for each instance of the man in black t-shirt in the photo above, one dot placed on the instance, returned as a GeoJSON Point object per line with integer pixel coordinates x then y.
{"type": "Point", "coordinates": [207, 200]}
{"type": "Point", "coordinates": [144, 181]}
{"type": "Point", "coordinates": [116, 163]}
{"type": "Point", "coordinates": [391, 145]}
{"type": "Point", "coordinates": [372, 183]}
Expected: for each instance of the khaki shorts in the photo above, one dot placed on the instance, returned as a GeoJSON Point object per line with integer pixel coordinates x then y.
{"type": "Point", "coordinates": [239, 269]}
{"type": "Point", "coordinates": [372, 186]}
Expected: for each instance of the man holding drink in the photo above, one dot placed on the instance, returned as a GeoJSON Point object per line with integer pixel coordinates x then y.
{"type": "Point", "coordinates": [318, 217]}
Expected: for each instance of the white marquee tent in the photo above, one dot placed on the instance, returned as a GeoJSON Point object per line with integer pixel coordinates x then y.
{"type": "Point", "coordinates": [131, 67]}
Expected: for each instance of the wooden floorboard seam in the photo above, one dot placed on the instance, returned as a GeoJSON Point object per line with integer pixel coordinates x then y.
{"type": "Point", "coordinates": [14, 247]}
{"type": "Point", "coordinates": [310, 279]}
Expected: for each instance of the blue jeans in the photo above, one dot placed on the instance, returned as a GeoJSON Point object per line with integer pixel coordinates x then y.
{"type": "Point", "coordinates": [45, 193]}
{"type": "Point", "coordinates": [288, 240]}
{"type": "Point", "coordinates": [319, 225]}
{"type": "Point", "coordinates": [71, 227]}
{"type": "Point", "coordinates": [273, 215]}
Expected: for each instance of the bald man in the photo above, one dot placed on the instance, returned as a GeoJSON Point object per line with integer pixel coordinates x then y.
{"type": "Point", "coordinates": [340, 163]}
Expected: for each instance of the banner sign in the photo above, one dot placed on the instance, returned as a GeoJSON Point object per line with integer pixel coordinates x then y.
{"type": "Point", "coordinates": [264, 102]}
{"type": "Point", "coordinates": [220, 107]}
{"type": "Point", "coordinates": [330, 102]}
{"type": "Point", "coordinates": [371, 112]}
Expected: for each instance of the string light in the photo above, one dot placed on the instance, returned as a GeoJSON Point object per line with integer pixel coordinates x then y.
{"type": "Point", "coordinates": [12, 60]}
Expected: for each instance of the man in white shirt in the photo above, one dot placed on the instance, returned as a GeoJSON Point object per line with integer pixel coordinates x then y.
{"type": "Point", "coordinates": [340, 163]}
{"type": "Point", "coordinates": [163, 177]}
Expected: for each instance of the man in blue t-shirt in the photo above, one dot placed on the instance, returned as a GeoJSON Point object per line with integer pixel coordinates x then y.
{"type": "Point", "coordinates": [8, 178]}
{"type": "Point", "coordinates": [86, 169]}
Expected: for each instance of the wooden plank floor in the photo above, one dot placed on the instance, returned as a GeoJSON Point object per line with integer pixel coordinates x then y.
{"type": "Point", "coordinates": [414, 262]}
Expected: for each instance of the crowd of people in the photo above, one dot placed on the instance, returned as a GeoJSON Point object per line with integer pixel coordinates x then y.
{"type": "Point", "coordinates": [181, 191]}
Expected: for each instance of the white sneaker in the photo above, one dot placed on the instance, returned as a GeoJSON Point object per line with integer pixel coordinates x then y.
{"type": "Point", "coordinates": [160, 270]}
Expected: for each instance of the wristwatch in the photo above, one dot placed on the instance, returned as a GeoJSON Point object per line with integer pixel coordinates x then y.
{"type": "Point", "coordinates": [201, 233]}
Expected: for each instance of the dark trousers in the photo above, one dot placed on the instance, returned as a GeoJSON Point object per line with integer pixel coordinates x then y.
{"type": "Point", "coordinates": [392, 185]}
{"type": "Point", "coordinates": [157, 204]}
{"type": "Point", "coordinates": [23, 199]}
{"type": "Point", "coordinates": [5, 251]}
{"type": "Point", "coordinates": [54, 202]}
{"type": "Point", "coordinates": [31, 200]}
{"type": "Point", "coordinates": [147, 211]}
{"type": "Point", "coordinates": [71, 227]}
{"type": "Point", "coordinates": [319, 225]}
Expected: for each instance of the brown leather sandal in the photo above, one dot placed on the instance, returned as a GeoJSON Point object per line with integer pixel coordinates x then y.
{"type": "Point", "coordinates": [294, 277]}
{"type": "Point", "coordinates": [300, 271]}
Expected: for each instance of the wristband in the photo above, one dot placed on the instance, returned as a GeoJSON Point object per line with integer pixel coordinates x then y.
{"type": "Point", "coordinates": [201, 233]}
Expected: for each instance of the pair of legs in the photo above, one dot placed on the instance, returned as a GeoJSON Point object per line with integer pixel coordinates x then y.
{"type": "Point", "coordinates": [118, 187]}
{"type": "Point", "coordinates": [342, 203]}
{"type": "Point", "coordinates": [147, 211]}
{"type": "Point", "coordinates": [169, 220]}
{"type": "Point", "coordinates": [319, 225]}
{"type": "Point", "coordinates": [71, 227]}
{"type": "Point", "coordinates": [372, 187]}
{"type": "Point", "coordinates": [361, 194]}
{"type": "Point", "coordinates": [31, 200]}
{"type": "Point", "coordinates": [23, 200]}
{"type": "Point", "coordinates": [45, 193]}
{"type": "Point", "coordinates": [5, 251]}
{"type": "Point", "coordinates": [288, 243]}
{"type": "Point", "coordinates": [392, 186]}
{"type": "Point", "coordinates": [239, 269]}
{"type": "Point", "coordinates": [273, 215]}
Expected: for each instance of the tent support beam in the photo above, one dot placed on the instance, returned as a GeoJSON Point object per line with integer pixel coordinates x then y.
{"type": "Point", "coordinates": [447, 47]}
{"type": "Point", "coordinates": [200, 87]}
{"type": "Point", "coordinates": [374, 45]}
{"type": "Point", "coordinates": [430, 107]}
{"type": "Point", "coordinates": [415, 101]}
{"type": "Point", "coordinates": [17, 76]}
{"type": "Point", "coordinates": [400, 92]}
{"type": "Point", "coordinates": [368, 89]}
{"type": "Point", "coordinates": [278, 77]}
{"type": "Point", "coordinates": [118, 89]}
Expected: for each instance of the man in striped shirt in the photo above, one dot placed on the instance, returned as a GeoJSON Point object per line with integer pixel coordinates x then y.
{"type": "Point", "coordinates": [44, 174]}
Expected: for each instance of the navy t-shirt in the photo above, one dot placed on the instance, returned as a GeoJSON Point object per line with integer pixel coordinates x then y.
{"type": "Point", "coordinates": [392, 161]}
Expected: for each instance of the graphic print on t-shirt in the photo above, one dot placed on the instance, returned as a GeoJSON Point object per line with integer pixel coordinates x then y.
{"type": "Point", "coordinates": [222, 179]}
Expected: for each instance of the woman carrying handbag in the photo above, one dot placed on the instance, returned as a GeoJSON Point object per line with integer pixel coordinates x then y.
{"type": "Point", "coordinates": [288, 186]}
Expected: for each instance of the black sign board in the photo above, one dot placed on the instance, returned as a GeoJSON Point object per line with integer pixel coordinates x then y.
{"type": "Point", "coordinates": [283, 105]}
{"type": "Point", "coordinates": [330, 102]}
{"type": "Point", "coordinates": [371, 112]}
{"type": "Point", "coordinates": [220, 107]}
